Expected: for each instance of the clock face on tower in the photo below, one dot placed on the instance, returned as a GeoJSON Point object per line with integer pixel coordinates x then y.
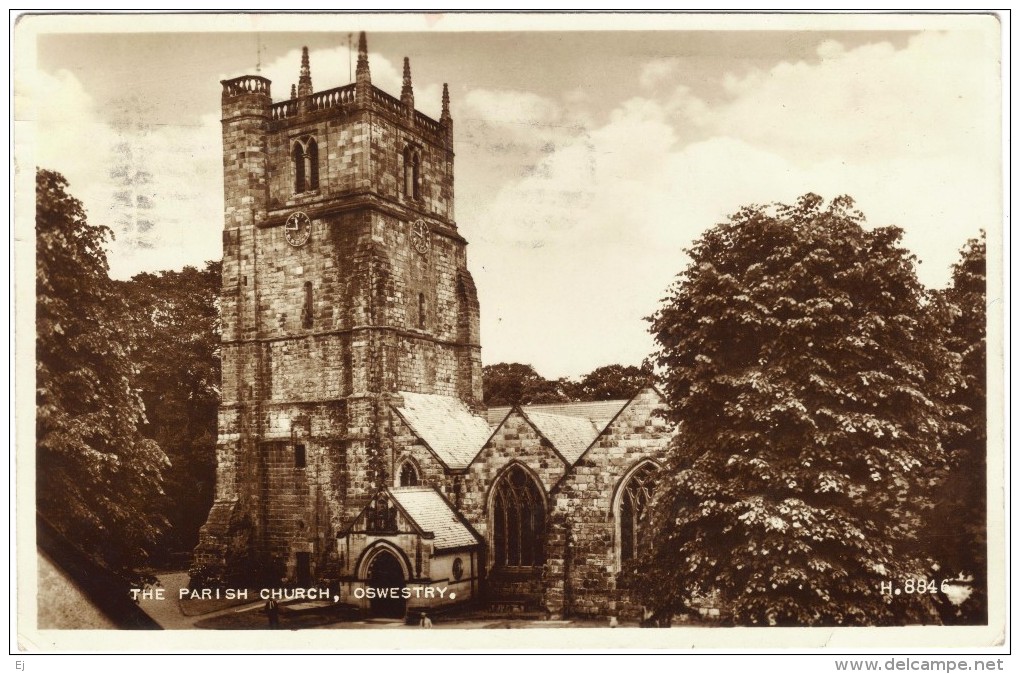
{"type": "Point", "coordinates": [420, 236]}
{"type": "Point", "coordinates": [298, 229]}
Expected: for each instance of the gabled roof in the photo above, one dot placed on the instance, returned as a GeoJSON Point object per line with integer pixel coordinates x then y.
{"type": "Point", "coordinates": [569, 435]}
{"type": "Point", "coordinates": [618, 414]}
{"type": "Point", "coordinates": [432, 514]}
{"type": "Point", "coordinates": [599, 412]}
{"type": "Point", "coordinates": [446, 425]}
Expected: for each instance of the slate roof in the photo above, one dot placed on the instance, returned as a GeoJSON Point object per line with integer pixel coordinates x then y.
{"type": "Point", "coordinates": [446, 425]}
{"type": "Point", "coordinates": [433, 514]}
{"type": "Point", "coordinates": [599, 412]}
{"type": "Point", "coordinates": [569, 435]}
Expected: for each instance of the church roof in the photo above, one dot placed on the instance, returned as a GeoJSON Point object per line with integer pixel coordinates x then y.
{"type": "Point", "coordinates": [599, 412]}
{"type": "Point", "coordinates": [446, 425]}
{"type": "Point", "coordinates": [569, 435]}
{"type": "Point", "coordinates": [433, 514]}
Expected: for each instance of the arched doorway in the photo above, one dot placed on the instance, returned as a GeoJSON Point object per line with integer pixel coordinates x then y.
{"type": "Point", "coordinates": [385, 576]}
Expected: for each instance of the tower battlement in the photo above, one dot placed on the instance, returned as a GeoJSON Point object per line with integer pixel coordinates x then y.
{"type": "Point", "coordinates": [335, 148]}
{"type": "Point", "coordinates": [245, 85]}
{"type": "Point", "coordinates": [306, 104]}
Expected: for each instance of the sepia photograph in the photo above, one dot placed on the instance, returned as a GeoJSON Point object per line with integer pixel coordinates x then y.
{"type": "Point", "coordinates": [630, 331]}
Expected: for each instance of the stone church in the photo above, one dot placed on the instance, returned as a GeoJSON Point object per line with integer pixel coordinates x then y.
{"type": "Point", "coordinates": [354, 448]}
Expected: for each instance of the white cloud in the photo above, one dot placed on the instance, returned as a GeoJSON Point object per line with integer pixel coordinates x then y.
{"type": "Point", "coordinates": [574, 251]}
{"type": "Point", "coordinates": [659, 71]}
{"type": "Point", "coordinates": [158, 187]}
{"type": "Point", "coordinates": [513, 111]}
{"type": "Point", "coordinates": [936, 96]}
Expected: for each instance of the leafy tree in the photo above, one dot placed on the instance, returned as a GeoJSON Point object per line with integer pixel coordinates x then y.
{"type": "Point", "coordinates": [175, 327]}
{"type": "Point", "coordinates": [805, 367]}
{"type": "Point", "coordinates": [98, 481]}
{"type": "Point", "coordinates": [612, 382]}
{"type": "Point", "coordinates": [518, 384]}
{"type": "Point", "coordinates": [959, 536]}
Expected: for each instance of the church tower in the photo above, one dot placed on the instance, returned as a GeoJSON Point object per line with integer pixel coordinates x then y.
{"type": "Point", "coordinates": [345, 283]}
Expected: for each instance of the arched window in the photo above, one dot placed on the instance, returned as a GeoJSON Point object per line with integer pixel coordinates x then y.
{"type": "Point", "coordinates": [518, 512]}
{"type": "Point", "coordinates": [312, 156]}
{"type": "Point", "coordinates": [634, 497]}
{"type": "Point", "coordinates": [416, 175]}
{"type": "Point", "coordinates": [299, 168]}
{"type": "Point", "coordinates": [412, 173]}
{"type": "Point", "coordinates": [421, 311]}
{"type": "Point", "coordinates": [409, 475]}
{"type": "Point", "coordinates": [305, 156]}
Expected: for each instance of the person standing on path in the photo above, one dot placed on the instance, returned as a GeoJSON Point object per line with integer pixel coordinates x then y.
{"type": "Point", "coordinates": [272, 610]}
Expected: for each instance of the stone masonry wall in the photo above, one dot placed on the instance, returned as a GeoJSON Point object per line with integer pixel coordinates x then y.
{"type": "Point", "coordinates": [432, 275]}
{"type": "Point", "coordinates": [343, 159]}
{"type": "Point", "coordinates": [515, 441]}
{"type": "Point", "coordinates": [333, 260]}
{"type": "Point", "coordinates": [406, 445]}
{"type": "Point", "coordinates": [389, 138]}
{"type": "Point", "coordinates": [359, 151]}
{"type": "Point", "coordinates": [245, 115]}
{"type": "Point", "coordinates": [582, 560]}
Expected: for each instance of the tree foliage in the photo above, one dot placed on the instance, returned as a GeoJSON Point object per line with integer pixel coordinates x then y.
{"type": "Point", "coordinates": [960, 519]}
{"type": "Point", "coordinates": [519, 384]}
{"type": "Point", "coordinates": [175, 328]}
{"type": "Point", "coordinates": [611, 382]}
{"type": "Point", "coordinates": [805, 366]}
{"type": "Point", "coordinates": [98, 481]}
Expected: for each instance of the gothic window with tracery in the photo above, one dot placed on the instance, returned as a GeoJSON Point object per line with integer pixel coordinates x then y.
{"type": "Point", "coordinates": [518, 521]}
{"type": "Point", "coordinates": [633, 510]}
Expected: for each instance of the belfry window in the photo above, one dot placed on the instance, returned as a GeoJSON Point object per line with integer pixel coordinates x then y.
{"type": "Point", "coordinates": [633, 513]}
{"type": "Point", "coordinates": [409, 475]}
{"type": "Point", "coordinates": [313, 164]}
{"type": "Point", "coordinates": [305, 157]}
{"type": "Point", "coordinates": [412, 173]}
{"type": "Point", "coordinates": [298, 155]}
{"type": "Point", "coordinates": [518, 521]}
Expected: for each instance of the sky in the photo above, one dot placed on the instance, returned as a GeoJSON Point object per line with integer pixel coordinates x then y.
{"type": "Point", "coordinates": [590, 151]}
